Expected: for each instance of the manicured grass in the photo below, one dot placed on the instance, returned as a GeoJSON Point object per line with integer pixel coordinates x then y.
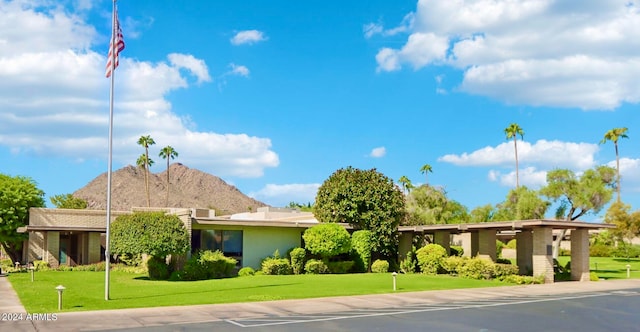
{"type": "Point", "coordinates": [85, 290]}
{"type": "Point", "coordinates": [609, 267]}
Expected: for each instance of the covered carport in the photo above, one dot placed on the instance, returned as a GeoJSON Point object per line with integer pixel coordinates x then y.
{"type": "Point", "coordinates": [534, 240]}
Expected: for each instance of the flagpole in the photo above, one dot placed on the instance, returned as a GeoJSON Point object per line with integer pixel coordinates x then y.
{"type": "Point", "coordinates": [107, 251]}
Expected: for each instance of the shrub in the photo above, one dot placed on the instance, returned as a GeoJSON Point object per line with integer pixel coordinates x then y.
{"type": "Point", "coordinates": [512, 244]}
{"type": "Point", "coordinates": [593, 276]}
{"type": "Point", "coordinates": [477, 268]}
{"type": "Point", "coordinates": [625, 250]}
{"type": "Point", "coordinates": [64, 268]}
{"type": "Point", "coordinates": [298, 256]}
{"type": "Point", "coordinates": [315, 266]}
{"type": "Point", "coordinates": [97, 267]}
{"type": "Point", "coordinates": [41, 266]}
{"type": "Point", "coordinates": [327, 240]}
{"type": "Point", "coordinates": [205, 265]}
{"type": "Point", "coordinates": [499, 246]}
{"type": "Point", "coordinates": [362, 245]}
{"type": "Point", "coordinates": [158, 268]}
{"type": "Point", "coordinates": [452, 264]}
{"type": "Point", "coordinates": [600, 250]}
{"type": "Point", "coordinates": [130, 259]}
{"type": "Point", "coordinates": [522, 280]}
{"type": "Point", "coordinates": [456, 251]}
{"type": "Point", "coordinates": [276, 266]}
{"type": "Point", "coordinates": [430, 258]}
{"type": "Point", "coordinates": [503, 270]}
{"type": "Point", "coordinates": [409, 263]}
{"type": "Point", "coordinates": [380, 266]}
{"type": "Point", "coordinates": [246, 272]}
{"type": "Point", "coordinates": [128, 269]}
{"type": "Point", "coordinates": [340, 267]}
{"type": "Point", "coordinates": [503, 261]}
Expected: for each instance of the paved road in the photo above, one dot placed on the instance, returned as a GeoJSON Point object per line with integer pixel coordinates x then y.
{"type": "Point", "coordinates": [437, 310]}
{"type": "Point", "coordinates": [596, 311]}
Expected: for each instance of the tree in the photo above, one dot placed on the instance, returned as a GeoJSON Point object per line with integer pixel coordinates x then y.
{"type": "Point", "coordinates": [627, 224]}
{"type": "Point", "coordinates": [613, 135]}
{"type": "Point", "coordinates": [406, 184]}
{"type": "Point", "coordinates": [145, 142]}
{"type": "Point", "coordinates": [578, 196]}
{"type": "Point", "coordinates": [512, 132]}
{"type": "Point", "coordinates": [153, 233]}
{"type": "Point", "coordinates": [168, 153]}
{"type": "Point", "coordinates": [327, 240]}
{"type": "Point", "coordinates": [17, 195]}
{"type": "Point", "coordinates": [428, 205]}
{"type": "Point", "coordinates": [521, 203]}
{"type": "Point", "coordinates": [68, 201]}
{"type": "Point", "coordinates": [482, 213]}
{"type": "Point", "coordinates": [425, 169]}
{"type": "Point", "coordinates": [143, 163]}
{"type": "Point", "coordinates": [366, 199]}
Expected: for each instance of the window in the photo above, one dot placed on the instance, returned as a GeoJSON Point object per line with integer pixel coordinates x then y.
{"type": "Point", "coordinates": [227, 241]}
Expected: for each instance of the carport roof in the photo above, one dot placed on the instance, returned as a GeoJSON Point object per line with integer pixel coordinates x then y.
{"type": "Point", "coordinates": [505, 226]}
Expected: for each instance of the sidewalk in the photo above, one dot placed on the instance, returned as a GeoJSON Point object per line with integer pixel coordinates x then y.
{"type": "Point", "coordinates": [146, 317]}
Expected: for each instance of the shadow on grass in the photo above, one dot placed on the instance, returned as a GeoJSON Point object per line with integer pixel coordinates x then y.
{"type": "Point", "coordinates": [624, 260]}
{"type": "Point", "coordinates": [201, 291]}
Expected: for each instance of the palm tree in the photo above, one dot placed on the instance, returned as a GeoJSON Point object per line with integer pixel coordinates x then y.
{"type": "Point", "coordinates": [613, 135]}
{"type": "Point", "coordinates": [143, 163]}
{"type": "Point", "coordinates": [146, 141]}
{"type": "Point", "coordinates": [168, 153]}
{"type": "Point", "coordinates": [512, 132]}
{"type": "Point", "coordinates": [425, 169]}
{"type": "Point", "coordinates": [406, 184]}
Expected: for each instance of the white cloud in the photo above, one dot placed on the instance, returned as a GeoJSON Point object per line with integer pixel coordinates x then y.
{"type": "Point", "coordinates": [378, 152]}
{"type": "Point", "coordinates": [283, 194]}
{"type": "Point", "coordinates": [571, 155]}
{"type": "Point", "coordinates": [372, 29]}
{"type": "Point", "coordinates": [535, 52]}
{"type": "Point", "coordinates": [196, 66]}
{"type": "Point", "coordinates": [629, 174]}
{"type": "Point", "coordinates": [529, 176]}
{"type": "Point", "coordinates": [54, 99]}
{"type": "Point", "coordinates": [239, 70]}
{"type": "Point", "coordinates": [248, 37]}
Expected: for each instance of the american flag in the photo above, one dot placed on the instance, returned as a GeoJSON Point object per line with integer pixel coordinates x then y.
{"type": "Point", "coordinates": [118, 41]}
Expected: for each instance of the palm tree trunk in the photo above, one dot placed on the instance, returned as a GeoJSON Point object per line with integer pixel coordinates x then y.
{"type": "Point", "coordinates": [617, 171]}
{"type": "Point", "coordinates": [515, 145]}
{"type": "Point", "coordinates": [166, 201]}
{"type": "Point", "coordinates": [146, 178]}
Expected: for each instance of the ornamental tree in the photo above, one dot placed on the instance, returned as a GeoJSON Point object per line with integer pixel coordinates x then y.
{"type": "Point", "coordinates": [365, 199]}
{"type": "Point", "coordinates": [17, 195]}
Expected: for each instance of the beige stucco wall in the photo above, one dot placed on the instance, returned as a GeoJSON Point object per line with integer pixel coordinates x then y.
{"type": "Point", "coordinates": [70, 217]}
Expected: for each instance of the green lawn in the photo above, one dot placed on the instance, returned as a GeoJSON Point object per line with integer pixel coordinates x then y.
{"type": "Point", "coordinates": [85, 290]}
{"type": "Point", "coordinates": [610, 267]}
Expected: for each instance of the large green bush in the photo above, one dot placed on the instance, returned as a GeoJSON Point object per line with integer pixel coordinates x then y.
{"type": "Point", "coordinates": [315, 266]}
{"type": "Point", "coordinates": [327, 240]}
{"type": "Point", "coordinates": [380, 266]}
{"type": "Point", "coordinates": [362, 244]}
{"type": "Point", "coordinates": [430, 258]}
{"type": "Point", "coordinates": [207, 264]}
{"type": "Point", "coordinates": [477, 268]}
{"type": "Point", "coordinates": [276, 266]}
{"type": "Point", "coordinates": [409, 263]}
{"type": "Point", "coordinates": [298, 256]}
{"type": "Point", "coordinates": [158, 268]}
{"type": "Point", "coordinates": [246, 271]}
{"type": "Point", "coordinates": [452, 264]}
{"type": "Point", "coordinates": [600, 250]}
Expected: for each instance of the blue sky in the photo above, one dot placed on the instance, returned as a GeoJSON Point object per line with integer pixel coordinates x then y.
{"type": "Point", "coordinates": [274, 96]}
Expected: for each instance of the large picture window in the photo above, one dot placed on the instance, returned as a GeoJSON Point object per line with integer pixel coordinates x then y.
{"type": "Point", "coordinates": [229, 242]}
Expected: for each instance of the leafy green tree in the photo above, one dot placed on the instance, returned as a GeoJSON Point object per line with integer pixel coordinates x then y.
{"type": "Point", "coordinates": [482, 213]}
{"type": "Point", "coordinates": [521, 203]}
{"type": "Point", "coordinates": [366, 199]}
{"type": "Point", "coordinates": [512, 132]}
{"type": "Point", "coordinates": [362, 244]}
{"type": "Point", "coordinates": [154, 233]}
{"type": "Point", "coordinates": [168, 153]}
{"type": "Point", "coordinates": [578, 195]}
{"type": "Point", "coordinates": [425, 169]}
{"type": "Point", "coordinates": [428, 205]}
{"type": "Point", "coordinates": [406, 184]}
{"type": "Point", "coordinates": [327, 240]}
{"type": "Point", "coordinates": [302, 207]}
{"type": "Point", "coordinates": [627, 224]}
{"type": "Point", "coordinates": [145, 142]}
{"type": "Point", "coordinates": [17, 195]}
{"type": "Point", "coordinates": [614, 135]}
{"type": "Point", "coordinates": [68, 201]}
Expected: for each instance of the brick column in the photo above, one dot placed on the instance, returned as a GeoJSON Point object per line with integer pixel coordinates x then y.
{"type": "Point", "coordinates": [36, 246]}
{"type": "Point", "coordinates": [487, 244]}
{"type": "Point", "coordinates": [404, 246]}
{"type": "Point", "coordinates": [542, 253]}
{"type": "Point", "coordinates": [580, 255]}
{"type": "Point", "coordinates": [443, 238]}
{"type": "Point", "coordinates": [524, 252]}
{"type": "Point", "coordinates": [93, 245]}
{"type": "Point", "coordinates": [53, 249]}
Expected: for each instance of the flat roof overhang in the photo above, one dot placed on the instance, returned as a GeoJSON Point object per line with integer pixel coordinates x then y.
{"type": "Point", "coordinates": [505, 226]}
{"type": "Point", "coordinates": [31, 228]}
{"type": "Point", "coordinates": [257, 223]}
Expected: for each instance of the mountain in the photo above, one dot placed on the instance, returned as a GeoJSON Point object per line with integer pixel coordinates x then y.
{"type": "Point", "coordinates": [188, 188]}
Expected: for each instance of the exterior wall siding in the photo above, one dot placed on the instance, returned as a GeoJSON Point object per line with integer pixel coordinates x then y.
{"type": "Point", "coordinates": [260, 242]}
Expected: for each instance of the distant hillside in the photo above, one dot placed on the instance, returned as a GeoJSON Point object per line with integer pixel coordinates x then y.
{"type": "Point", "coordinates": [188, 188]}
